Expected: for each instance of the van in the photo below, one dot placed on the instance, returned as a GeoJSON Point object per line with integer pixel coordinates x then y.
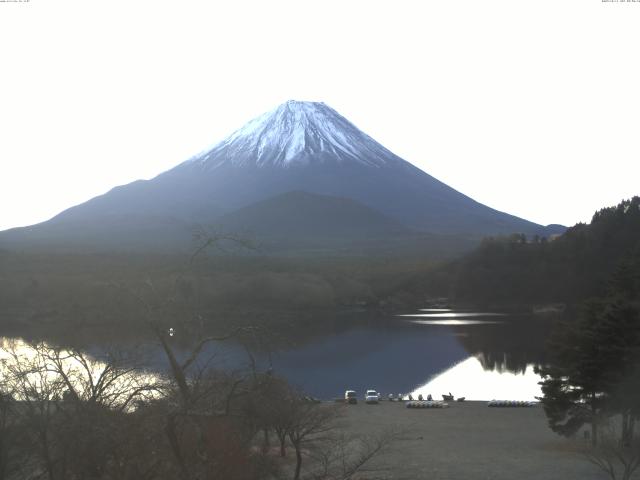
{"type": "Point", "coordinates": [350, 397]}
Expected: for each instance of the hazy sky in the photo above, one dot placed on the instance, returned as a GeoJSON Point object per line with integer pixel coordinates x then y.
{"type": "Point", "coordinates": [531, 107]}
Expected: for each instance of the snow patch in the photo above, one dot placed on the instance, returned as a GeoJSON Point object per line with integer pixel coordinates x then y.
{"type": "Point", "coordinates": [281, 136]}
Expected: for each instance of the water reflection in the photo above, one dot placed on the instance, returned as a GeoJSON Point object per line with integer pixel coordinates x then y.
{"type": "Point", "coordinates": [451, 314]}
{"type": "Point", "coordinates": [392, 359]}
{"type": "Point", "coordinates": [393, 355]}
{"type": "Point", "coordinates": [510, 346]}
{"type": "Point", "coordinates": [452, 322]}
{"type": "Point", "coordinates": [471, 380]}
{"type": "Point", "coordinates": [43, 372]}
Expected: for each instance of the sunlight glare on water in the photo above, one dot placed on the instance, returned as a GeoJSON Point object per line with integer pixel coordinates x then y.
{"type": "Point", "coordinates": [453, 322]}
{"type": "Point", "coordinates": [470, 380]}
{"type": "Point", "coordinates": [446, 316]}
{"type": "Point", "coordinates": [452, 315]}
{"type": "Point", "coordinates": [83, 372]}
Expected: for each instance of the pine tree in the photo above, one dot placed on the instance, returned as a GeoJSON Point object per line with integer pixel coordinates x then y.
{"type": "Point", "coordinates": [596, 369]}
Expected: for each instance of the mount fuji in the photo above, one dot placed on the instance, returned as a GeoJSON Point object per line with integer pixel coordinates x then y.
{"type": "Point", "coordinates": [299, 171]}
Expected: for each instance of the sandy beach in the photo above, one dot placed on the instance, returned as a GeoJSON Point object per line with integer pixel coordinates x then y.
{"type": "Point", "coordinates": [468, 440]}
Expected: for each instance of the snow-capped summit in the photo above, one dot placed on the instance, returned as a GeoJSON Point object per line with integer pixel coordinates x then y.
{"type": "Point", "coordinates": [297, 133]}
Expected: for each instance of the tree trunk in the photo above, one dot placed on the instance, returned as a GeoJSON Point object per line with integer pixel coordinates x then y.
{"type": "Point", "coordinates": [282, 439]}
{"type": "Point", "coordinates": [47, 456]}
{"type": "Point", "coordinates": [283, 449]}
{"type": "Point", "coordinates": [3, 459]}
{"type": "Point", "coordinates": [266, 444]}
{"type": "Point", "coordinates": [296, 476]}
{"type": "Point", "coordinates": [172, 435]}
{"type": "Point", "coordinates": [626, 426]}
{"type": "Point", "coordinates": [594, 422]}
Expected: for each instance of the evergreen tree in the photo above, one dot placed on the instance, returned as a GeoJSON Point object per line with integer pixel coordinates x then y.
{"type": "Point", "coordinates": [596, 369]}
{"type": "Point", "coordinates": [574, 385]}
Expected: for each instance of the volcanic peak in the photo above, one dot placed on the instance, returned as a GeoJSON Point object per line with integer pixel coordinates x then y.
{"type": "Point", "coordinates": [297, 133]}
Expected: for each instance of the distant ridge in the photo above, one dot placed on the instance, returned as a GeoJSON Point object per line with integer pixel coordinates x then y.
{"type": "Point", "coordinates": [307, 215]}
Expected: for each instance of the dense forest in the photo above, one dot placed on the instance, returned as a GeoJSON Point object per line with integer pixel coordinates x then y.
{"type": "Point", "coordinates": [68, 292]}
{"type": "Point", "coordinates": [517, 270]}
{"type": "Point", "coordinates": [592, 377]}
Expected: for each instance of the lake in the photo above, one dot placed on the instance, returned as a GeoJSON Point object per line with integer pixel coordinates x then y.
{"type": "Point", "coordinates": [477, 355]}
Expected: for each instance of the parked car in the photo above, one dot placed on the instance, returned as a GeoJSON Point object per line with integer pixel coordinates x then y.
{"type": "Point", "coordinates": [350, 396]}
{"type": "Point", "coordinates": [371, 396]}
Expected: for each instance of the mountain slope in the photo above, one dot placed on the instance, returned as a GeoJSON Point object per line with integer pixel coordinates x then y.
{"type": "Point", "coordinates": [301, 215]}
{"type": "Point", "coordinates": [299, 146]}
{"type": "Point", "coordinates": [106, 233]}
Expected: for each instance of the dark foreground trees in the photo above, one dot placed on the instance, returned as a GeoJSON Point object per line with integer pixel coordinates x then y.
{"type": "Point", "coordinates": [11, 437]}
{"type": "Point", "coordinates": [595, 372]}
{"type": "Point", "coordinates": [73, 413]}
{"type": "Point", "coordinates": [65, 415]}
{"type": "Point", "coordinates": [618, 460]}
{"type": "Point", "coordinates": [594, 378]}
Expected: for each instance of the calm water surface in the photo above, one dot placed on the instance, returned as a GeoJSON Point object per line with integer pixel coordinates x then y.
{"type": "Point", "coordinates": [480, 356]}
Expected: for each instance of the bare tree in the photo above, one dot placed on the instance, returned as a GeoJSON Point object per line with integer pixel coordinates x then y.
{"type": "Point", "coordinates": [39, 394]}
{"type": "Point", "coordinates": [197, 396]}
{"type": "Point", "coordinates": [618, 458]}
{"type": "Point", "coordinates": [112, 380]}
{"type": "Point", "coordinates": [73, 408]}
{"type": "Point", "coordinates": [11, 456]}
{"type": "Point", "coordinates": [343, 457]}
{"type": "Point", "coordinates": [310, 422]}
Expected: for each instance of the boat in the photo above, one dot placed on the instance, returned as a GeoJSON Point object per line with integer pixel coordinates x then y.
{"type": "Point", "coordinates": [426, 404]}
{"type": "Point", "coordinates": [511, 403]}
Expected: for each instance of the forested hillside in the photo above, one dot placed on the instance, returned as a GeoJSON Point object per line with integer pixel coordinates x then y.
{"type": "Point", "coordinates": [516, 269]}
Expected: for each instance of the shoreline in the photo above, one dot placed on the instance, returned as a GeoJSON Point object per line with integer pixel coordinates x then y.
{"type": "Point", "coordinates": [468, 440]}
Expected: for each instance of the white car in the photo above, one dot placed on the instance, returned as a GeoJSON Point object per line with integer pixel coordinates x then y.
{"type": "Point", "coordinates": [371, 396]}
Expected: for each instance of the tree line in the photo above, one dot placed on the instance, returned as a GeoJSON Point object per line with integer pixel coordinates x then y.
{"type": "Point", "coordinates": [594, 376]}
{"type": "Point", "coordinates": [520, 270]}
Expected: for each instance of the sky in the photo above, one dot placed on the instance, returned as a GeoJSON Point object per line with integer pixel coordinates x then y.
{"type": "Point", "coordinates": [530, 107]}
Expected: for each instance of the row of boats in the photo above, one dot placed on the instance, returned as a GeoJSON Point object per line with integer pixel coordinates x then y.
{"type": "Point", "coordinates": [372, 396]}
{"type": "Point", "coordinates": [445, 398]}
{"type": "Point", "coordinates": [492, 403]}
